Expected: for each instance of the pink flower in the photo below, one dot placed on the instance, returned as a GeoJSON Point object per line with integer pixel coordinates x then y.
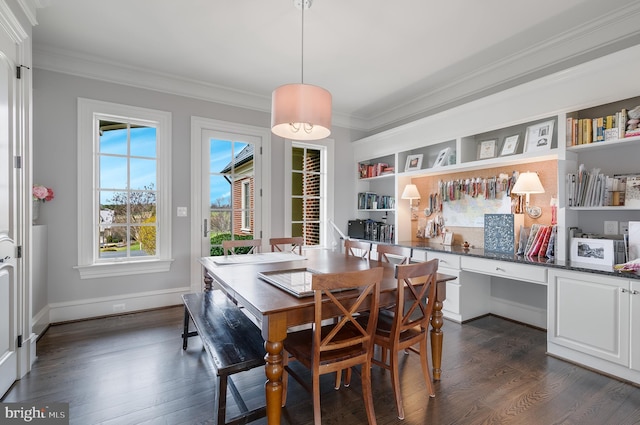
{"type": "Point", "coordinates": [41, 193]}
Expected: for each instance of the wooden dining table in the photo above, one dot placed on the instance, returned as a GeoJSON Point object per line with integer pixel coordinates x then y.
{"type": "Point", "coordinates": [276, 310]}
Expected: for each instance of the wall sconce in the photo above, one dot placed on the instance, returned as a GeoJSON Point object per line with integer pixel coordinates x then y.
{"type": "Point", "coordinates": [527, 184]}
{"type": "Point", "coordinates": [410, 192]}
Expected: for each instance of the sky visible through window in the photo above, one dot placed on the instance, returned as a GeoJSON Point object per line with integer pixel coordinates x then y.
{"type": "Point", "coordinates": [220, 154]}
{"type": "Point", "coordinates": [113, 166]}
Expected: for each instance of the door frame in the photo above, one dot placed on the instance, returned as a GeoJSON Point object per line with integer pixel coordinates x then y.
{"type": "Point", "coordinates": [198, 126]}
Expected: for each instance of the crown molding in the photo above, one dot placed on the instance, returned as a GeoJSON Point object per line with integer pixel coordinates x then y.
{"type": "Point", "coordinates": [67, 62]}
{"type": "Point", "coordinates": [11, 24]}
{"type": "Point", "coordinates": [610, 32]}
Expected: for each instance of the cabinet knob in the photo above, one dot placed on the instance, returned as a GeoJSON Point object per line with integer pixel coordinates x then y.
{"type": "Point", "coordinates": [443, 261]}
{"type": "Point", "coordinates": [623, 290]}
{"type": "Point", "coordinates": [7, 258]}
{"type": "Point", "coordinates": [499, 269]}
{"type": "Point", "coordinates": [634, 292]}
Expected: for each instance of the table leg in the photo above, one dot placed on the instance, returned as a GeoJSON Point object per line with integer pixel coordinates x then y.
{"type": "Point", "coordinates": [274, 331]}
{"type": "Point", "coordinates": [436, 331]}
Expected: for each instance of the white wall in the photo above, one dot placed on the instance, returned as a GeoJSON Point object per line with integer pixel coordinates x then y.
{"type": "Point", "coordinates": [55, 116]}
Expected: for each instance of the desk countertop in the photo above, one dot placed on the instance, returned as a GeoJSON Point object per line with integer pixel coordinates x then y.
{"type": "Point", "coordinates": [545, 262]}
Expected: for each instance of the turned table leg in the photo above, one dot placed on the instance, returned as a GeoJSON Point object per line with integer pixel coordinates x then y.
{"type": "Point", "coordinates": [436, 331]}
{"type": "Point", "coordinates": [274, 331]}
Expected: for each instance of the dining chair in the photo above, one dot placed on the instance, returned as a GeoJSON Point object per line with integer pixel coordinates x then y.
{"type": "Point", "coordinates": [231, 247]}
{"type": "Point", "coordinates": [409, 325]}
{"type": "Point", "coordinates": [393, 254]}
{"type": "Point", "coordinates": [357, 248]}
{"type": "Point", "coordinates": [340, 345]}
{"type": "Point", "coordinates": [281, 244]}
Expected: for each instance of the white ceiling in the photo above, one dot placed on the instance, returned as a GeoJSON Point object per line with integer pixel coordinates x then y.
{"type": "Point", "coordinates": [384, 61]}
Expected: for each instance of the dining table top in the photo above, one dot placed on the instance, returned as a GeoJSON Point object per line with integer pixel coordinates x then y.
{"type": "Point", "coordinates": [241, 281]}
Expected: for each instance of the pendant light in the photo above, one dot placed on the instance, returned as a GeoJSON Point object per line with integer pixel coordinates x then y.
{"type": "Point", "coordinates": [301, 111]}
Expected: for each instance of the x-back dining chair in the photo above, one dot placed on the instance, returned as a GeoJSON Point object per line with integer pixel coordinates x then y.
{"type": "Point", "coordinates": [340, 345]}
{"type": "Point", "coordinates": [393, 254]}
{"type": "Point", "coordinates": [293, 244]}
{"type": "Point", "coordinates": [357, 248]}
{"type": "Point", "coordinates": [409, 325]}
{"type": "Point", "coordinates": [231, 247]}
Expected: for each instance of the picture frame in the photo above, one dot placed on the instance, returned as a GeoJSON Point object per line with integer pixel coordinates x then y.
{"type": "Point", "coordinates": [443, 158]}
{"type": "Point", "coordinates": [592, 251]}
{"type": "Point", "coordinates": [510, 145]}
{"type": "Point", "coordinates": [414, 162]}
{"type": "Point", "coordinates": [447, 238]}
{"type": "Point", "coordinates": [539, 136]}
{"type": "Point", "coordinates": [487, 149]}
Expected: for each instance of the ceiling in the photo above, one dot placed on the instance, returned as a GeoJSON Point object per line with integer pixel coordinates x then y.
{"type": "Point", "coordinates": [385, 62]}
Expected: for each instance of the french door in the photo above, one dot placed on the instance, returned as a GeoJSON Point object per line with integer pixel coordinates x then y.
{"type": "Point", "coordinates": [230, 194]}
{"type": "Point", "coordinates": [229, 163]}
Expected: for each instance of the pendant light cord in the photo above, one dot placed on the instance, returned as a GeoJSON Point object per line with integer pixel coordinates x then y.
{"type": "Point", "coordinates": [302, 47]}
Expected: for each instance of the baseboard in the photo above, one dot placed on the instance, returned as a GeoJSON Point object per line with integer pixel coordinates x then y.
{"type": "Point", "coordinates": [40, 322]}
{"type": "Point", "coordinates": [526, 314]}
{"type": "Point", "coordinates": [107, 306]}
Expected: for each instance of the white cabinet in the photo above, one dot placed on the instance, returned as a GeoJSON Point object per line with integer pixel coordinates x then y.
{"type": "Point", "coordinates": [593, 320]}
{"type": "Point", "coordinates": [468, 295]}
{"type": "Point", "coordinates": [635, 326]}
{"type": "Point", "coordinates": [506, 269]}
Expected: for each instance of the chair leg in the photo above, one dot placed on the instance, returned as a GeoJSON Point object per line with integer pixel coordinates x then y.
{"type": "Point", "coordinates": [347, 378]}
{"type": "Point", "coordinates": [395, 380]}
{"type": "Point", "coordinates": [338, 379]}
{"type": "Point", "coordinates": [316, 399]}
{"type": "Point", "coordinates": [383, 356]}
{"type": "Point", "coordinates": [367, 394]}
{"type": "Point", "coordinates": [424, 361]}
{"type": "Point", "coordinates": [285, 376]}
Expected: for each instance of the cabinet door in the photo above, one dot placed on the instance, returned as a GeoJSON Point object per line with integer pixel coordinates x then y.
{"type": "Point", "coordinates": [590, 314]}
{"type": "Point", "coordinates": [635, 325]}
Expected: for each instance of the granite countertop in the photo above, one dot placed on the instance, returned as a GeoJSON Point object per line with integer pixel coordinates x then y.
{"type": "Point", "coordinates": [536, 261]}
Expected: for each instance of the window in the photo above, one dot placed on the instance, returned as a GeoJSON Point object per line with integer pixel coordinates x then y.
{"type": "Point", "coordinates": [246, 205]}
{"type": "Point", "coordinates": [310, 190]}
{"type": "Point", "coordinates": [124, 189]}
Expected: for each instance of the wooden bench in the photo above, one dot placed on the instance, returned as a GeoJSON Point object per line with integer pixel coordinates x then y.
{"type": "Point", "coordinates": [234, 343]}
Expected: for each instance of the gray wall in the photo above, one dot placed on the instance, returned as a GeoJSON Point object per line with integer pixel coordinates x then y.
{"type": "Point", "coordinates": [55, 165]}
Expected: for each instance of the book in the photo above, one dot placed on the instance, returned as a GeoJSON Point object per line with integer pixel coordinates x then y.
{"type": "Point", "coordinates": [532, 236]}
{"type": "Point", "coordinates": [545, 242]}
{"type": "Point", "coordinates": [632, 192]}
{"type": "Point", "coordinates": [537, 243]}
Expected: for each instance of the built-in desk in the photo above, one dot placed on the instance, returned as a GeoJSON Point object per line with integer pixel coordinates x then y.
{"type": "Point", "coordinates": [591, 313]}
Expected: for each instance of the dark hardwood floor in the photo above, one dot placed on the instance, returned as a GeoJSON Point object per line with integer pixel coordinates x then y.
{"type": "Point", "coordinates": [131, 369]}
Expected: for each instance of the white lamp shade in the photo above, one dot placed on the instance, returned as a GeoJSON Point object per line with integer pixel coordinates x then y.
{"type": "Point", "coordinates": [301, 112]}
{"type": "Point", "coordinates": [410, 192]}
{"type": "Point", "coordinates": [528, 183]}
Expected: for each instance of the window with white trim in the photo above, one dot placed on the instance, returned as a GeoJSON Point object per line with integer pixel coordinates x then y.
{"type": "Point", "coordinates": [310, 190]}
{"type": "Point", "coordinates": [124, 189]}
{"type": "Point", "coordinates": [246, 205]}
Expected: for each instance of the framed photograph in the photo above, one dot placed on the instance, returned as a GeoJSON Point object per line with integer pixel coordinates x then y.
{"type": "Point", "coordinates": [538, 137]}
{"type": "Point", "coordinates": [487, 149]}
{"type": "Point", "coordinates": [443, 158]}
{"type": "Point", "coordinates": [592, 251]}
{"type": "Point", "coordinates": [510, 145]}
{"type": "Point", "coordinates": [447, 238]}
{"type": "Point", "coordinates": [414, 162]}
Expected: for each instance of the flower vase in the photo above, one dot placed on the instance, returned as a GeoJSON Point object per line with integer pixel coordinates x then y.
{"type": "Point", "coordinates": [35, 211]}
